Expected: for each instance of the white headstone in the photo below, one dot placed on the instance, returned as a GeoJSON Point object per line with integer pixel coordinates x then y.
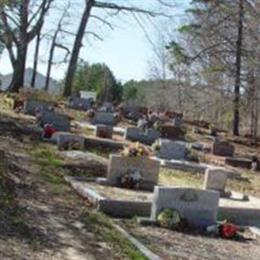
{"type": "Point", "coordinates": [199, 207]}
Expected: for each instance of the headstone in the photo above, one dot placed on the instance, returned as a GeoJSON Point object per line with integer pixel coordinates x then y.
{"type": "Point", "coordinates": [104, 118]}
{"type": "Point", "coordinates": [199, 207]}
{"type": "Point", "coordinates": [172, 132]}
{"type": "Point", "coordinates": [176, 150]}
{"type": "Point", "coordinates": [121, 165]}
{"type": "Point", "coordinates": [88, 95]}
{"type": "Point", "coordinates": [67, 141]}
{"type": "Point", "coordinates": [80, 103]}
{"type": "Point", "coordinates": [223, 149]}
{"type": "Point", "coordinates": [104, 131]}
{"type": "Point", "coordinates": [177, 122]}
{"type": "Point", "coordinates": [239, 162]}
{"type": "Point", "coordinates": [107, 107]}
{"type": "Point", "coordinates": [60, 122]}
{"type": "Point", "coordinates": [134, 112]}
{"type": "Point", "coordinates": [148, 136]}
{"type": "Point", "coordinates": [215, 179]}
{"type": "Point", "coordinates": [32, 106]}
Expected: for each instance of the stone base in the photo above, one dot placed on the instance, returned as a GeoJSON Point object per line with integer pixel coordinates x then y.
{"type": "Point", "coordinates": [239, 162]}
{"type": "Point", "coordinates": [127, 203]}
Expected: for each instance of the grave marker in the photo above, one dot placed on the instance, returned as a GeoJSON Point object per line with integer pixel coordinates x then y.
{"type": "Point", "coordinates": [104, 131]}
{"type": "Point", "coordinates": [199, 207]}
{"type": "Point", "coordinates": [215, 179]}
{"type": "Point", "coordinates": [104, 118]}
{"type": "Point", "coordinates": [66, 141]}
{"type": "Point", "coordinates": [59, 121]}
{"type": "Point", "coordinates": [148, 136]}
{"type": "Point", "coordinates": [120, 165]}
{"type": "Point", "coordinates": [80, 103]}
{"type": "Point", "coordinates": [223, 149]}
{"type": "Point", "coordinates": [172, 132]}
{"type": "Point", "coordinates": [172, 150]}
{"type": "Point", "coordinates": [31, 106]}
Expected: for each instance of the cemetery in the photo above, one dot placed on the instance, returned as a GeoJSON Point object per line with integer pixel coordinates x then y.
{"type": "Point", "coordinates": [127, 172]}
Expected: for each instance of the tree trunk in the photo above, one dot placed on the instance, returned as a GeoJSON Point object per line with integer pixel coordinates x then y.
{"type": "Point", "coordinates": [19, 69]}
{"type": "Point", "coordinates": [76, 48]}
{"type": "Point", "coordinates": [36, 57]}
{"type": "Point", "coordinates": [238, 70]}
{"type": "Point", "coordinates": [47, 83]}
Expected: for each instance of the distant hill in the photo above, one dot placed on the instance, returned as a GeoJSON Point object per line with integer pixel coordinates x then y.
{"type": "Point", "coordinates": [39, 83]}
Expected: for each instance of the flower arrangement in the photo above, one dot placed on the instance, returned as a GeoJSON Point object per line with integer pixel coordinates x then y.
{"type": "Point", "coordinates": [136, 150]}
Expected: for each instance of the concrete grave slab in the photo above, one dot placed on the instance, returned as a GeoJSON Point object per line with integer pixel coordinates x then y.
{"type": "Point", "coordinates": [148, 136]}
{"type": "Point", "coordinates": [112, 200]}
{"type": "Point", "coordinates": [104, 118]}
{"type": "Point", "coordinates": [119, 202]}
{"type": "Point", "coordinates": [31, 105]}
{"type": "Point", "coordinates": [215, 179]}
{"type": "Point", "coordinates": [120, 165]}
{"type": "Point", "coordinates": [176, 150]}
{"type": "Point", "coordinates": [104, 131]}
{"type": "Point", "coordinates": [60, 121]}
{"type": "Point", "coordinates": [199, 207]}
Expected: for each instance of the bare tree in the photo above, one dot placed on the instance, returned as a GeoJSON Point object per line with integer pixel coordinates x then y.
{"type": "Point", "coordinates": [21, 22]}
{"type": "Point", "coordinates": [89, 5]}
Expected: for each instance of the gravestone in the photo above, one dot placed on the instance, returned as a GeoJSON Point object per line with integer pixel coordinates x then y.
{"type": "Point", "coordinates": [177, 122]}
{"type": "Point", "coordinates": [223, 149]}
{"type": "Point", "coordinates": [172, 132]}
{"type": "Point", "coordinates": [31, 106]}
{"type": "Point", "coordinates": [215, 179]}
{"type": "Point", "coordinates": [148, 136]}
{"type": "Point", "coordinates": [104, 118]}
{"type": "Point", "coordinates": [59, 121]}
{"type": "Point", "coordinates": [107, 107]}
{"type": "Point", "coordinates": [172, 150]}
{"type": "Point", "coordinates": [199, 207]}
{"type": "Point", "coordinates": [67, 141]}
{"type": "Point", "coordinates": [120, 165]}
{"type": "Point", "coordinates": [80, 103]}
{"type": "Point", "coordinates": [104, 131]}
{"type": "Point", "coordinates": [239, 162]}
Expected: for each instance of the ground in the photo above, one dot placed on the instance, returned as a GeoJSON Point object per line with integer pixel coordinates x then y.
{"type": "Point", "coordinates": [41, 217]}
{"type": "Point", "coordinates": [171, 245]}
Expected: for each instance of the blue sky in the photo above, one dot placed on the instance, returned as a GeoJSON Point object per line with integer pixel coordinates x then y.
{"type": "Point", "coordinates": [125, 49]}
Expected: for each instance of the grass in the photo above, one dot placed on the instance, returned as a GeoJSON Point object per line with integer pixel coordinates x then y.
{"type": "Point", "coordinates": [179, 178]}
{"type": "Point", "coordinates": [51, 173]}
{"type": "Point", "coordinates": [248, 184]}
{"type": "Point", "coordinates": [101, 225]}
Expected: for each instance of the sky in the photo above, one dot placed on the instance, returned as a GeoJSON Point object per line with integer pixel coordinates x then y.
{"type": "Point", "coordinates": [125, 49]}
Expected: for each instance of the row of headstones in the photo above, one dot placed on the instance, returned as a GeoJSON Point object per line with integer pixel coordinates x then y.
{"type": "Point", "coordinates": [197, 205]}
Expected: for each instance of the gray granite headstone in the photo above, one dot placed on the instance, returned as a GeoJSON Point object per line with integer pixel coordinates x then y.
{"type": "Point", "coordinates": [32, 105]}
{"type": "Point", "coordinates": [80, 103]}
{"type": "Point", "coordinates": [215, 179]}
{"type": "Point", "coordinates": [199, 207]}
{"type": "Point", "coordinates": [67, 140]}
{"type": "Point", "coordinates": [172, 150]}
{"type": "Point", "coordinates": [104, 118]}
{"type": "Point", "coordinates": [59, 121]}
{"type": "Point", "coordinates": [119, 165]}
{"type": "Point", "coordinates": [148, 136]}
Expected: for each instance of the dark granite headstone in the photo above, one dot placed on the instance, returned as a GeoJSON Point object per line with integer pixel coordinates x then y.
{"type": "Point", "coordinates": [59, 121]}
